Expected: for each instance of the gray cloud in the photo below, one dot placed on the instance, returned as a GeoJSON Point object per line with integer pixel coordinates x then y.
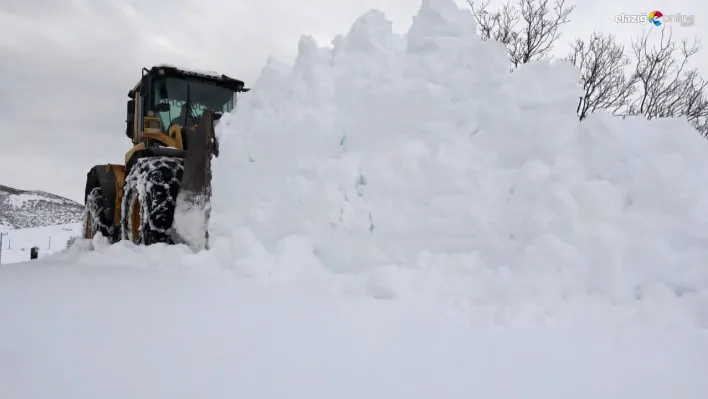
{"type": "Point", "coordinates": [66, 65]}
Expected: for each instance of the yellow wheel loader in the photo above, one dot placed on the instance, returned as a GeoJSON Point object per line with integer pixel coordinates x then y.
{"type": "Point", "coordinates": [162, 193]}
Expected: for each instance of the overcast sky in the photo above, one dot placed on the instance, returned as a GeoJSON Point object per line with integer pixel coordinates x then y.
{"type": "Point", "coordinates": [66, 66]}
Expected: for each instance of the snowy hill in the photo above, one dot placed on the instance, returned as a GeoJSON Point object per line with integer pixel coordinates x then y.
{"type": "Point", "coordinates": [20, 209]}
{"type": "Point", "coordinates": [397, 216]}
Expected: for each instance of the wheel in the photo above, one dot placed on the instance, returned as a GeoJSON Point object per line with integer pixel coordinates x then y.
{"type": "Point", "coordinates": [95, 220]}
{"type": "Point", "coordinates": [149, 196]}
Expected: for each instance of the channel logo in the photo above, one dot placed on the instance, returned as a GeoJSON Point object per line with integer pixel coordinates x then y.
{"type": "Point", "coordinates": [654, 17]}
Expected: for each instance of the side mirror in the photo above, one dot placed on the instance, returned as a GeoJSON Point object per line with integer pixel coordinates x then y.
{"type": "Point", "coordinates": [130, 112]}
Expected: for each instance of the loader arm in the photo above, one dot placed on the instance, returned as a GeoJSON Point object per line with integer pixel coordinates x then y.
{"type": "Point", "coordinates": [193, 205]}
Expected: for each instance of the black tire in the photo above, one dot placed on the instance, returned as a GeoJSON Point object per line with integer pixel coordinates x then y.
{"type": "Point", "coordinates": [151, 189]}
{"type": "Point", "coordinates": [95, 220]}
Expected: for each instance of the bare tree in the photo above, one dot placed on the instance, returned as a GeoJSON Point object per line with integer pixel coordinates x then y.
{"type": "Point", "coordinates": [666, 87]}
{"type": "Point", "coordinates": [602, 63]}
{"type": "Point", "coordinates": [660, 84]}
{"type": "Point", "coordinates": [696, 102]}
{"type": "Point", "coordinates": [528, 29]}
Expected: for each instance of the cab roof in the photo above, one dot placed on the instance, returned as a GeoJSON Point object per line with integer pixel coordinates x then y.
{"type": "Point", "coordinates": [173, 71]}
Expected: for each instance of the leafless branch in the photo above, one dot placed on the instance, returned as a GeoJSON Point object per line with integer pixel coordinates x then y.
{"type": "Point", "coordinates": [602, 63]}
{"type": "Point", "coordinates": [666, 87]}
{"type": "Point", "coordinates": [528, 29]}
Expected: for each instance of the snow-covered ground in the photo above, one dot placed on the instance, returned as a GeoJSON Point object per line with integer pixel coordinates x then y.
{"type": "Point", "coordinates": [16, 244]}
{"type": "Point", "coordinates": [132, 332]}
{"type": "Point", "coordinates": [397, 217]}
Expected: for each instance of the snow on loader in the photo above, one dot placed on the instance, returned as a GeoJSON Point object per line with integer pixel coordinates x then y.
{"type": "Point", "coordinates": [162, 193]}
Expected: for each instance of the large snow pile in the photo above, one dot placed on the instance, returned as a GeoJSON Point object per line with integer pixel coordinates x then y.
{"type": "Point", "coordinates": [421, 160]}
{"type": "Point", "coordinates": [416, 166]}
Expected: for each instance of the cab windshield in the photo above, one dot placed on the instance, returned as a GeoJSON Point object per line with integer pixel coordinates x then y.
{"type": "Point", "coordinates": [187, 100]}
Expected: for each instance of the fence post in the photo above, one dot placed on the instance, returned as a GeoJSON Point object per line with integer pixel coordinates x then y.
{"type": "Point", "coordinates": [1, 236]}
{"type": "Point", "coordinates": [50, 242]}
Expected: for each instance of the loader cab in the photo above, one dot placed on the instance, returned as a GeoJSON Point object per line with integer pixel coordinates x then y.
{"type": "Point", "coordinates": [167, 95]}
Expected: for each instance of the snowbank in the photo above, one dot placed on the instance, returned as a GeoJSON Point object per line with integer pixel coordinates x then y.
{"type": "Point", "coordinates": [422, 157]}
{"type": "Point", "coordinates": [418, 167]}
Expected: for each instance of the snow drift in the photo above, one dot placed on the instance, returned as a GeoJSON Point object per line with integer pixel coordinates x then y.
{"type": "Point", "coordinates": [421, 163]}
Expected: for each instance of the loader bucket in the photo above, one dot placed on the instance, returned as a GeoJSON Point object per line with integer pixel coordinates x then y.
{"type": "Point", "coordinates": [193, 204]}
